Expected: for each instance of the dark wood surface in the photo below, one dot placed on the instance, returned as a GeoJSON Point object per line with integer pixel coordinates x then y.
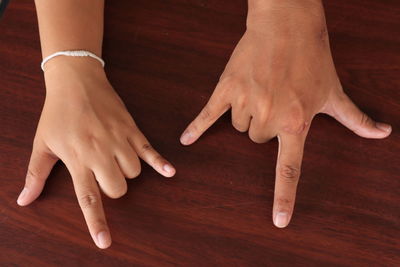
{"type": "Point", "coordinates": [164, 59]}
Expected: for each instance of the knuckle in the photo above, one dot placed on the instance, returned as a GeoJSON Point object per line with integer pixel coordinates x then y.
{"type": "Point", "coordinates": [72, 152]}
{"type": "Point", "coordinates": [322, 35]}
{"type": "Point", "coordinates": [158, 160]}
{"type": "Point", "coordinates": [116, 130]}
{"type": "Point", "coordinates": [263, 111]}
{"type": "Point", "coordinates": [32, 174]}
{"type": "Point", "coordinates": [88, 200]}
{"type": "Point", "coordinates": [118, 191]}
{"type": "Point", "coordinates": [205, 114]}
{"type": "Point", "coordinates": [226, 81]}
{"type": "Point", "coordinates": [289, 173]}
{"type": "Point", "coordinates": [283, 202]}
{"type": "Point", "coordinates": [98, 223]}
{"type": "Point", "coordinates": [256, 138]}
{"type": "Point", "coordinates": [86, 144]}
{"type": "Point", "coordinates": [238, 126]}
{"type": "Point", "coordinates": [296, 122]}
{"type": "Point", "coordinates": [37, 144]}
{"type": "Point", "coordinates": [91, 140]}
{"type": "Point", "coordinates": [241, 102]}
{"type": "Point", "coordinates": [146, 147]}
{"type": "Point", "coordinates": [365, 120]}
{"type": "Point", "coordinates": [135, 172]}
{"type": "Point", "coordinates": [130, 129]}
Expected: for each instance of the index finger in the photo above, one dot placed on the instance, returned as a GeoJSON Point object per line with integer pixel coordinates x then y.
{"type": "Point", "coordinates": [146, 152]}
{"type": "Point", "coordinates": [89, 200]}
{"type": "Point", "coordinates": [288, 167]}
{"type": "Point", "coordinates": [215, 107]}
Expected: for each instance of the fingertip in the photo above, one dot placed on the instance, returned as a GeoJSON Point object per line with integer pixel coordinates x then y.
{"type": "Point", "coordinates": [21, 204]}
{"type": "Point", "coordinates": [22, 198]}
{"type": "Point", "coordinates": [384, 127]}
{"type": "Point", "coordinates": [377, 130]}
{"type": "Point", "coordinates": [281, 219]}
{"type": "Point", "coordinates": [186, 138]}
{"type": "Point", "coordinates": [103, 239]}
{"type": "Point", "coordinates": [169, 170]}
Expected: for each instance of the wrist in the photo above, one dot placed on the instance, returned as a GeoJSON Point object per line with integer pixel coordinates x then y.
{"type": "Point", "coordinates": [257, 5]}
{"type": "Point", "coordinates": [285, 16]}
{"type": "Point", "coordinates": [64, 70]}
{"type": "Point", "coordinates": [64, 61]}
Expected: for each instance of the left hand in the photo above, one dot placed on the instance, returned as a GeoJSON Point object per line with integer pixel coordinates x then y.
{"type": "Point", "coordinates": [85, 124]}
{"type": "Point", "coordinates": [280, 75]}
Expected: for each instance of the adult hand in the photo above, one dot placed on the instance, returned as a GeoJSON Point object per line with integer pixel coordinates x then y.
{"type": "Point", "coordinates": [280, 75]}
{"type": "Point", "coordinates": [86, 125]}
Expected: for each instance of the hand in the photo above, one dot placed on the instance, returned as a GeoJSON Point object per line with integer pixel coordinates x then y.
{"type": "Point", "coordinates": [86, 125]}
{"type": "Point", "coordinates": [280, 75]}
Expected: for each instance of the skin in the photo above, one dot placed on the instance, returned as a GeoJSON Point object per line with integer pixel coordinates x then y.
{"type": "Point", "coordinates": [84, 122]}
{"type": "Point", "coordinates": [280, 75]}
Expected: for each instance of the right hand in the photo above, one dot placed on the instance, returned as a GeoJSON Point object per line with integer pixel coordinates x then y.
{"type": "Point", "coordinates": [280, 75]}
{"type": "Point", "coordinates": [85, 124]}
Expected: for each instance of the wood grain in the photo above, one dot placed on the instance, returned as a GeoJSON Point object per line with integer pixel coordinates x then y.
{"type": "Point", "coordinates": [164, 59]}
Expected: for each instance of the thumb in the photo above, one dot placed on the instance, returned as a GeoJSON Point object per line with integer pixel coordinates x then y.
{"type": "Point", "coordinates": [40, 165]}
{"type": "Point", "coordinates": [347, 113]}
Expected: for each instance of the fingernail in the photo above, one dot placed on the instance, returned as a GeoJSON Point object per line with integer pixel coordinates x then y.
{"type": "Point", "coordinates": [384, 127]}
{"type": "Point", "coordinates": [281, 219]}
{"type": "Point", "coordinates": [103, 239]}
{"type": "Point", "coordinates": [22, 196]}
{"type": "Point", "coordinates": [185, 138]}
{"type": "Point", "coordinates": [168, 168]}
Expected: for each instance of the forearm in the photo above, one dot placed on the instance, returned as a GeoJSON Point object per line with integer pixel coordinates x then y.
{"type": "Point", "coordinates": [70, 25]}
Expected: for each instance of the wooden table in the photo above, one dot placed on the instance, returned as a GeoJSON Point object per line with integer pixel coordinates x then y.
{"type": "Point", "coordinates": [164, 59]}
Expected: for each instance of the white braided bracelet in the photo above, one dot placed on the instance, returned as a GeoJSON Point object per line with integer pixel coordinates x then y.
{"type": "Point", "coordinates": [73, 53]}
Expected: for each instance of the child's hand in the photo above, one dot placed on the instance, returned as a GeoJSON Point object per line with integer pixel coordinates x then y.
{"type": "Point", "coordinates": [279, 77]}
{"type": "Point", "coordinates": [86, 125]}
